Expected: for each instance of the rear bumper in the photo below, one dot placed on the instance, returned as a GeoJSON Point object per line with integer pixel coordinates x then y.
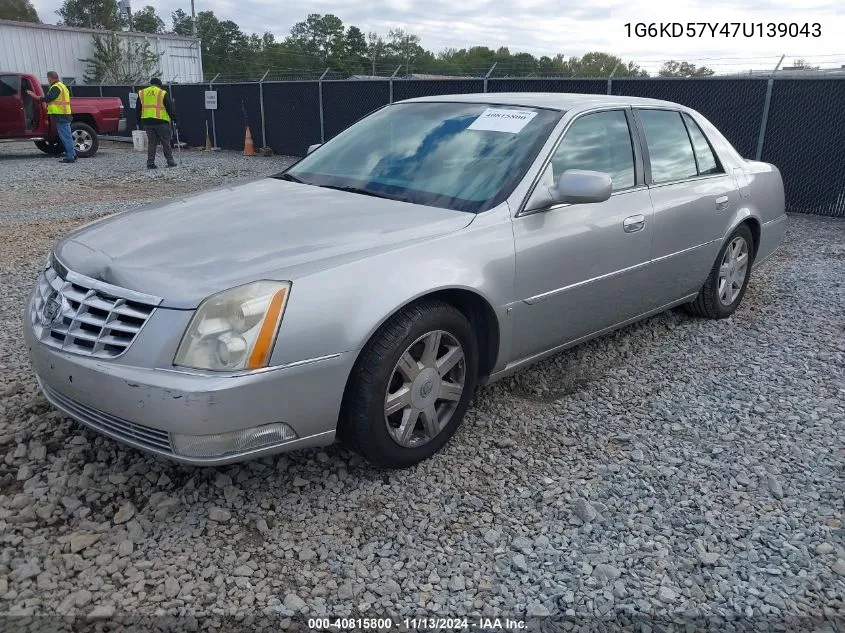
{"type": "Point", "coordinates": [771, 237]}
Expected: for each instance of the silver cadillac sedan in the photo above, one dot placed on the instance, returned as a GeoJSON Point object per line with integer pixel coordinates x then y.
{"type": "Point", "coordinates": [437, 244]}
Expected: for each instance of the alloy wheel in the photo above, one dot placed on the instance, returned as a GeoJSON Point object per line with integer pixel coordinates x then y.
{"type": "Point", "coordinates": [82, 140]}
{"type": "Point", "coordinates": [424, 389]}
{"type": "Point", "coordinates": [733, 270]}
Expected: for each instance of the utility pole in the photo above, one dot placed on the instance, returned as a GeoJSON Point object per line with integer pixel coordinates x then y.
{"type": "Point", "coordinates": [193, 20]}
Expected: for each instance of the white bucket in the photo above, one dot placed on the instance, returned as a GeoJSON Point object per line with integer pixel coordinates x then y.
{"type": "Point", "coordinates": [139, 140]}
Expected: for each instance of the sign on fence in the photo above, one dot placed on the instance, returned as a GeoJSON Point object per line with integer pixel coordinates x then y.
{"type": "Point", "coordinates": [210, 99]}
{"type": "Point", "coordinates": [133, 99]}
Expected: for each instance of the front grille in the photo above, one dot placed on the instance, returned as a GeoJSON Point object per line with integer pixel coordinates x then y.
{"type": "Point", "coordinates": [109, 424]}
{"type": "Point", "coordinates": [80, 315]}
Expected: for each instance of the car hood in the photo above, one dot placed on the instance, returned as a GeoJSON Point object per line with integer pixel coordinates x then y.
{"type": "Point", "coordinates": [187, 249]}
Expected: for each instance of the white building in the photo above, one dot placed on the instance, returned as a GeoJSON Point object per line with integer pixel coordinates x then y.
{"type": "Point", "coordinates": [37, 48]}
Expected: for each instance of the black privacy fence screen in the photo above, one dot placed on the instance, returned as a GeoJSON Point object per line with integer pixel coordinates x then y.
{"type": "Point", "coordinates": [797, 124]}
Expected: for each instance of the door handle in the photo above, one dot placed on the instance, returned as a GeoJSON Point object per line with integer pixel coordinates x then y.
{"type": "Point", "coordinates": [722, 203]}
{"type": "Point", "coordinates": [634, 223]}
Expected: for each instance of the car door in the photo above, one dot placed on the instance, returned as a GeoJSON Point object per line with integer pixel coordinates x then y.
{"type": "Point", "coordinates": [693, 198]}
{"type": "Point", "coordinates": [11, 106]}
{"type": "Point", "coordinates": [581, 268]}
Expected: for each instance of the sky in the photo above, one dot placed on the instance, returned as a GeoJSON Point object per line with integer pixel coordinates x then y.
{"type": "Point", "coordinates": [548, 27]}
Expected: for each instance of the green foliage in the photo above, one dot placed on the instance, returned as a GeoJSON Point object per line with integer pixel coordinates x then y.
{"type": "Point", "coordinates": [117, 61]}
{"type": "Point", "coordinates": [146, 21]}
{"type": "Point", "coordinates": [323, 42]}
{"type": "Point", "coordinates": [92, 14]}
{"type": "Point", "coordinates": [683, 69]}
{"type": "Point", "coordinates": [18, 10]}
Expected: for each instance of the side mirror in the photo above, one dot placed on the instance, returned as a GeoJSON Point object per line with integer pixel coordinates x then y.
{"type": "Point", "coordinates": [575, 186]}
{"type": "Point", "coordinates": [311, 148]}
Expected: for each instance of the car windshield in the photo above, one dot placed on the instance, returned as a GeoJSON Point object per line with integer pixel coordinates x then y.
{"type": "Point", "coordinates": [462, 156]}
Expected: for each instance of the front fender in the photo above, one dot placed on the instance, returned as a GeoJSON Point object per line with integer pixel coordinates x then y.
{"type": "Point", "coordinates": [339, 309]}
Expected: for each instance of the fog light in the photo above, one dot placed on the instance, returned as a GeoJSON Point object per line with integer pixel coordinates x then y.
{"type": "Point", "coordinates": [222, 444]}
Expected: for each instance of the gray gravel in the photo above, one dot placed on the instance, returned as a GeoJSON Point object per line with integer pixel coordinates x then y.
{"type": "Point", "coordinates": [678, 467]}
{"type": "Point", "coordinates": [37, 186]}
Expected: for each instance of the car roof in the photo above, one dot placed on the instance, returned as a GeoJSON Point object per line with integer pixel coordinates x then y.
{"type": "Point", "coordinates": [554, 100]}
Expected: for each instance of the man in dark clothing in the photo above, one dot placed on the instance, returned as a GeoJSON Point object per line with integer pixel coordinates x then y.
{"type": "Point", "coordinates": [58, 108]}
{"type": "Point", "coordinates": [154, 111]}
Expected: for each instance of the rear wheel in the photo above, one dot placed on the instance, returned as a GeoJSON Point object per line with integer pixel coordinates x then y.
{"type": "Point", "coordinates": [725, 286]}
{"type": "Point", "coordinates": [412, 386]}
{"type": "Point", "coordinates": [85, 139]}
{"type": "Point", "coordinates": [53, 148]}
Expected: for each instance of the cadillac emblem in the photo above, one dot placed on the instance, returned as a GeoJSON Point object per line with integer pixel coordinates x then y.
{"type": "Point", "coordinates": [52, 310]}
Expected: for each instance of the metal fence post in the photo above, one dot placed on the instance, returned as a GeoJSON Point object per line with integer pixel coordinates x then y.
{"type": "Point", "coordinates": [101, 88]}
{"type": "Point", "coordinates": [610, 79]}
{"type": "Point", "coordinates": [261, 102]}
{"type": "Point", "coordinates": [213, 118]}
{"type": "Point", "coordinates": [398, 68]}
{"type": "Point", "coordinates": [487, 76]}
{"type": "Point", "coordinates": [766, 104]}
{"type": "Point", "coordinates": [320, 98]}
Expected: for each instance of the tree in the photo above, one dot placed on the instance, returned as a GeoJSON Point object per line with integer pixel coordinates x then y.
{"type": "Point", "coordinates": [404, 46]}
{"type": "Point", "coordinates": [120, 61]}
{"type": "Point", "coordinates": [376, 49]}
{"type": "Point", "coordinates": [673, 68]}
{"type": "Point", "coordinates": [320, 35]}
{"type": "Point", "coordinates": [92, 14]}
{"type": "Point", "coordinates": [146, 21]}
{"type": "Point", "coordinates": [356, 43]}
{"type": "Point", "coordinates": [182, 23]}
{"type": "Point", "coordinates": [18, 10]}
{"type": "Point", "coordinates": [802, 64]}
{"type": "Point", "coordinates": [595, 64]}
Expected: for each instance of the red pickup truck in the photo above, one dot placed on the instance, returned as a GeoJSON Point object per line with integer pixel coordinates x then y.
{"type": "Point", "coordinates": [22, 117]}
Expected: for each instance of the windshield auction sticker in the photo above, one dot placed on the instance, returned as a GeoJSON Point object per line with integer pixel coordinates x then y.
{"type": "Point", "coordinates": [501, 120]}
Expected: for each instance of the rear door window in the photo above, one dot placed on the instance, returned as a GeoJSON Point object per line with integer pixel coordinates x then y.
{"type": "Point", "coordinates": [669, 148]}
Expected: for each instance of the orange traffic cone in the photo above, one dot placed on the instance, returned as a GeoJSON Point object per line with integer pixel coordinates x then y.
{"type": "Point", "coordinates": [249, 149]}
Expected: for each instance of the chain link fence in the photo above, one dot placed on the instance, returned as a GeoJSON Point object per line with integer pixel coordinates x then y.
{"type": "Point", "coordinates": [797, 124]}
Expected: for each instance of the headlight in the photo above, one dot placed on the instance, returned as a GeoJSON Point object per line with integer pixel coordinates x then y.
{"type": "Point", "coordinates": [235, 329]}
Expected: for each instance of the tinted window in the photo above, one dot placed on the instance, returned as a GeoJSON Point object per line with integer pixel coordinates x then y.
{"type": "Point", "coordinates": [598, 142]}
{"type": "Point", "coordinates": [461, 156]}
{"type": "Point", "coordinates": [9, 85]}
{"type": "Point", "coordinates": [668, 146]}
{"type": "Point", "coordinates": [703, 152]}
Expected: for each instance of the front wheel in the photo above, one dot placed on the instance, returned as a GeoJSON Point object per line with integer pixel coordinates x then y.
{"type": "Point", "coordinates": [85, 139]}
{"type": "Point", "coordinates": [411, 386]}
{"type": "Point", "coordinates": [725, 286]}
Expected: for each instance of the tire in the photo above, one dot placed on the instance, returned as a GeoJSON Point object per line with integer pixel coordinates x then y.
{"type": "Point", "coordinates": [365, 422]}
{"type": "Point", "coordinates": [709, 303]}
{"type": "Point", "coordinates": [85, 139]}
{"type": "Point", "coordinates": [51, 148]}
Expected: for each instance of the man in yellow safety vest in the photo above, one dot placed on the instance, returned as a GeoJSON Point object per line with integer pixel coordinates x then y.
{"type": "Point", "coordinates": [154, 111]}
{"type": "Point", "coordinates": [58, 107]}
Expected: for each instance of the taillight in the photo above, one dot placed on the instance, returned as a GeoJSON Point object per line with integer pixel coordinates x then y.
{"type": "Point", "coordinates": [121, 112]}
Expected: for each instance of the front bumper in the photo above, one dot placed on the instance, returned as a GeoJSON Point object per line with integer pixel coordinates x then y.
{"type": "Point", "coordinates": [143, 407]}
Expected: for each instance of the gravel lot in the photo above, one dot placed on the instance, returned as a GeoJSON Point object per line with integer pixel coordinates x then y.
{"type": "Point", "coordinates": [677, 468]}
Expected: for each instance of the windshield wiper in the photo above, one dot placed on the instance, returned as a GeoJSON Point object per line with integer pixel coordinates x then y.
{"type": "Point", "coordinates": [289, 178]}
{"type": "Point", "coordinates": [365, 192]}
